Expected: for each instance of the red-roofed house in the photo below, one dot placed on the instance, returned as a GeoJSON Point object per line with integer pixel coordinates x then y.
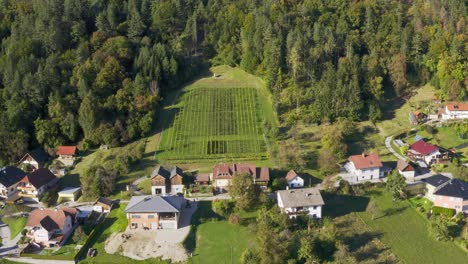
{"type": "Point", "coordinates": [48, 227]}
{"type": "Point", "coordinates": [365, 167]}
{"type": "Point", "coordinates": [455, 111]}
{"type": "Point", "coordinates": [294, 180]}
{"type": "Point", "coordinates": [423, 151]}
{"type": "Point", "coordinates": [224, 173]}
{"type": "Point", "coordinates": [66, 154]}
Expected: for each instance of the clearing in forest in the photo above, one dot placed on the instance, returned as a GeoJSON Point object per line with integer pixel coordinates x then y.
{"type": "Point", "coordinates": [217, 119]}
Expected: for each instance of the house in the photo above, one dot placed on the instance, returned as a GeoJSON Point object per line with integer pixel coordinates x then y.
{"type": "Point", "coordinates": [455, 111]}
{"type": "Point", "coordinates": [426, 152]}
{"type": "Point", "coordinates": [66, 155]}
{"type": "Point", "coordinates": [406, 170]}
{"type": "Point", "coordinates": [9, 178]}
{"type": "Point", "coordinates": [452, 194]}
{"type": "Point", "coordinates": [49, 227]}
{"type": "Point", "coordinates": [433, 183]}
{"type": "Point", "coordinates": [202, 179]}
{"type": "Point", "coordinates": [154, 212]}
{"type": "Point", "coordinates": [307, 201]}
{"type": "Point", "coordinates": [365, 167]}
{"type": "Point", "coordinates": [294, 180]}
{"type": "Point", "coordinates": [167, 181]}
{"type": "Point", "coordinates": [34, 160]}
{"type": "Point", "coordinates": [69, 194]}
{"type": "Point", "coordinates": [103, 205]}
{"type": "Point", "coordinates": [224, 173]}
{"type": "Point", "coordinates": [32, 186]}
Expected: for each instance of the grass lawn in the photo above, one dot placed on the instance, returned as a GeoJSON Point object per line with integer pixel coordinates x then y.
{"type": "Point", "coordinates": [445, 136]}
{"type": "Point", "coordinates": [405, 232]}
{"type": "Point", "coordinates": [16, 224]}
{"type": "Point", "coordinates": [217, 241]}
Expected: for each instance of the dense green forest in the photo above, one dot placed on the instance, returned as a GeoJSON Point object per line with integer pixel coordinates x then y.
{"type": "Point", "coordinates": [94, 70]}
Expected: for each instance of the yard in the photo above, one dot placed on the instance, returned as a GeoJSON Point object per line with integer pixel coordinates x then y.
{"type": "Point", "coordinates": [16, 224]}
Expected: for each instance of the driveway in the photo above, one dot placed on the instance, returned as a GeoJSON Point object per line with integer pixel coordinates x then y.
{"type": "Point", "coordinates": [9, 246]}
{"type": "Point", "coordinates": [388, 144]}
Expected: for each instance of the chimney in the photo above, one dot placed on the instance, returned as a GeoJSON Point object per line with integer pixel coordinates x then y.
{"type": "Point", "coordinates": [364, 155]}
{"type": "Point", "coordinates": [308, 194]}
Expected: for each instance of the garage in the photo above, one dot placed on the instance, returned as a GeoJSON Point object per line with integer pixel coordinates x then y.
{"type": "Point", "coordinates": [168, 225]}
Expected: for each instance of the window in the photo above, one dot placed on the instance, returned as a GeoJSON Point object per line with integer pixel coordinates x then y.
{"type": "Point", "coordinates": [315, 207]}
{"type": "Point", "coordinates": [136, 216]}
{"type": "Point", "coordinates": [150, 216]}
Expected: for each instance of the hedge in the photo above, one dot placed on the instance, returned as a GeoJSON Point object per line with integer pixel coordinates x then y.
{"type": "Point", "coordinates": [437, 210]}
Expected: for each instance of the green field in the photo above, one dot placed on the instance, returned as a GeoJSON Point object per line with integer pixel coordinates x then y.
{"type": "Point", "coordinates": [213, 123]}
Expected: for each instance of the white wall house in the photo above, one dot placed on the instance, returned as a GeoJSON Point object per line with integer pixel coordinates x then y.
{"type": "Point", "coordinates": [294, 180]}
{"type": "Point", "coordinates": [455, 111]}
{"type": "Point", "coordinates": [296, 202]}
{"type": "Point", "coordinates": [9, 178]}
{"type": "Point", "coordinates": [406, 170]}
{"type": "Point", "coordinates": [365, 167]}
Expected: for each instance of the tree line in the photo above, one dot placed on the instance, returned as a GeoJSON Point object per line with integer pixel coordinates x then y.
{"type": "Point", "coordinates": [94, 71]}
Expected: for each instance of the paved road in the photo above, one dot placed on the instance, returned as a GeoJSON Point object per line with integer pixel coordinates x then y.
{"type": "Point", "coordinates": [41, 261]}
{"type": "Point", "coordinates": [388, 144]}
{"type": "Point", "coordinates": [8, 244]}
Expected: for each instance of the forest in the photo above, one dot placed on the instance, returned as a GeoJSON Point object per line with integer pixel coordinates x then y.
{"type": "Point", "coordinates": [94, 71]}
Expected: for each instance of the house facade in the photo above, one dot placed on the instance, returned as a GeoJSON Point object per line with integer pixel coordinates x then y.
{"type": "Point", "coordinates": [66, 155]}
{"type": "Point", "coordinates": [307, 201]}
{"type": "Point", "coordinates": [149, 212]}
{"type": "Point", "coordinates": [49, 227]}
{"type": "Point", "coordinates": [294, 180]}
{"type": "Point", "coordinates": [433, 183]}
{"type": "Point", "coordinates": [224, 173]}
{"type": "Point", "coordinates": [103, 205]}
{"type": "Point", "coordinates": [426, 152]}
{"type": "Point", "coordinates": [166, 181]}
{"type": "Point", "coordinates": [32, 186]}
{"type": "Point", "coordinates": [365, 167]}
{"type": "Point", "coordinates": [455, 111]}
{"type": "Point", "coordinates": [34, 159]}
{"type": "Point", "coordinates": [9, 178]}
{"type": "Point", "coordinates": [406, 170]}
{"type": "Point", "coordinates": [452, 194]}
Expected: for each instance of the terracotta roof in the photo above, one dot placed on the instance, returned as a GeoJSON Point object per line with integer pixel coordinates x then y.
{"type": "Point", "coordinates": [227, 171]}
{"type": "Point", "coordinates": [204, 177]}
{"type": "Point", "coordinates": [39, 177]}
{"type": "Point", "coordinates": [50, 219]}
{"type": "Point", "coordinates": [66, 150]}
{"type": "Point", "coordinates": [10, 175]}
{"type": "Point", "coordinates": [291, 175]}
{"type": "Point", "coordinates": [366, 161]}
{"type": "Point", "coordinates": [457, 107]}
{"type": "Point", "coordinates": [404, 166]}
{"type": "Point", "coordinates": [423, 147]}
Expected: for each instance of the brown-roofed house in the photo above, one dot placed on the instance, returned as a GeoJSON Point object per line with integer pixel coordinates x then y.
{"type": "Point", "coordinates": [48, 227]}
{"type": "Point", "coordinates": [365, 167]}
{"type": "Point", "coordinates": [294, 180]}
{"type": "Point", "coordinates": [224, 173]}
{"type": "Point", "coordinates": [165, 180]}
{"type": "Point", "coordinates": [406, 170]}
{"type": "Point", "coordinates": [66, 154]}
{"type": "Point", "coordinates": [32, 186]}
{"type": "Point", "coordinates": [202, 179]}
{"type": "Point", "coordinates": [103, 205]}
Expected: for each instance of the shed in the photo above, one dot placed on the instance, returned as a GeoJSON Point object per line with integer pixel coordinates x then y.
{"type": "Point", "coordinates": [69, 194]}
{"type": "Point", "coordinates": [103, 205]}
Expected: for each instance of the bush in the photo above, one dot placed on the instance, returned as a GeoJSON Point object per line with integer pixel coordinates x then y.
{"type": "Point", "coordinates": [222, 207]}
{"type": "Point", "coordinates": [437, 210]}
{"type": "Point", "coordinates": [345, 187]}
{"type": "Point", "coordinates": [234, 219]}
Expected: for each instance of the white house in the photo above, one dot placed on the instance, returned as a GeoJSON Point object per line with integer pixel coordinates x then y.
{"type": "Point", "coordinates": [433, 183]}
{"type": "Point", "coordinates": [406, 170]}
{"type": "Point", "coordinates": [306, 201]}
{"type": "Point", "coordinates": [49, 227]}
{"type": "Point", "coordinates": [9, 178]}
{"type": "Point", "coordinates": [425, 151]}
{"type": "Point", "coordinates": [294, 180]}
{"type": "Point", "coordinates": [34, 159]}
{"type": "Point", "coordinates": [455, 111]}
{"type": "Point", "coordinates": [32, 186]}
{"type": "Point", "coordinates": [365, 167]}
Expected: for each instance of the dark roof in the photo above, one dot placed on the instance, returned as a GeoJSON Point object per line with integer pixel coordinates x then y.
{"type": "Point", "coordinates": [39, 155]}
{"type": "Point", "coordinates": [103, 200]}
{"type": "Point", "coordinates": [454, 188]}
{"type": "Point", "coordinates": [166, 172]}
{"type": "Point", "coordinates": [436, 180]}
{"type": "Point", "coordinates": [154, 204]}
{"type": "Point", "coordinates": [39, 177]}
{"type": "Point", "coordinates": [423, 147]}
{"type": "Point", "coordinates": [10, 175]}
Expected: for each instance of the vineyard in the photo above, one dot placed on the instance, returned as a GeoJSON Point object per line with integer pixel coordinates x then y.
{"type": "Point", "coordinates": [215, 124]}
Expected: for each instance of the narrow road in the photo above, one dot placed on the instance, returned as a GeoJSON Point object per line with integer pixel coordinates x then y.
{"type": "Point", "coordinates": [9, 246]}
{"type": "Point", "coordinates": [388, 144]}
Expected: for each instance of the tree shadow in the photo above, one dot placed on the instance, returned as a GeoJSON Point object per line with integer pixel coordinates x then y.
{"type": "Point", "coordinates": [339, 205]}
{"type": "Point", "coordinates": [392, 211]}
{"type": "Point", "coordinates": [356, 241]}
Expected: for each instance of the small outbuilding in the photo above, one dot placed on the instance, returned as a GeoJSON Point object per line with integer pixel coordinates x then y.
{"type": "Point", "coordinates": [406, 170]}
{"type": "Point", "coordinates": [69, 194]}
{"type": "Point", "coordinates": [294, 180]}
{"type": "Point", "coordinates": [103, 205]}
{"type": "Point", "coordinates": [203, 179]}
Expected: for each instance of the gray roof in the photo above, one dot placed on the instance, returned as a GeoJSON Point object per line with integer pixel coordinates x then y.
{"type": "Point", "coordinates": [301, 197]}
{"type": "Point", "coordinates": [436, 180]}
{"type": "Point", "coordinates": [154, 204]}
{"type": "Point", "coordinates": [166, 172]}
{"type": "Point", "coordinates": [454, 188]}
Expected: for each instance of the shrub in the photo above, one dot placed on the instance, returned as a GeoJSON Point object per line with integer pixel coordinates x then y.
{"type": "Point", "coordinates": [222, 207]}
{"type": "Point", "coordinates": [234, 219]}
{"type": "Point", "coordinates": [345, 187]}
{"type": "Point", "coordinates": [437, 210]}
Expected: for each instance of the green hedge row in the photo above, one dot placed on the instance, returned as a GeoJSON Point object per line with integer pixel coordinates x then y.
{"type": "Point", "coordinates": [437, 210]}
